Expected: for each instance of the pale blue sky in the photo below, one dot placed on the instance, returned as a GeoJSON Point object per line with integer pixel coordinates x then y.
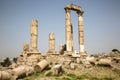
{"type": "Point", "coordinates": [101, 24]}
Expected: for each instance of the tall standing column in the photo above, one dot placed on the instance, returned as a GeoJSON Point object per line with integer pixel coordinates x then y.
{"type": "Point", "coordinates": [34, 36]}
{"type": "Point", "coordinates": [51, 42]}
{"type": "Point", "coordinates": [80, 32]}
{"type": "Point", "coordinates": [69, 32]}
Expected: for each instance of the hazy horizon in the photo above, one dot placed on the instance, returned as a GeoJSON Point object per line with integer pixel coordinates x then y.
{"type": "Point", "coordinates": [101, 24]}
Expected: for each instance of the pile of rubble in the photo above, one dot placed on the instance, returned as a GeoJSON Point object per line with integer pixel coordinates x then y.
{"type": "Point", "coordinates": [58, 64]}
{"type": "Point", "coordinates": [32, 61]}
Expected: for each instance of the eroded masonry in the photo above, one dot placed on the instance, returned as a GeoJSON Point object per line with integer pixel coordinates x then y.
{"type": "Point", "coordinates": [66, 60]}
{"type": "Point", "coordinates": [32, 56]}
{"type": "Point", "coordinates": [31, 60]}
{"type": "Point", "coordinates": [69, 29]}
{"type": "Point", "coordinates": [51, 43]}
{"type": "Point", "coordinates": [34, 36]}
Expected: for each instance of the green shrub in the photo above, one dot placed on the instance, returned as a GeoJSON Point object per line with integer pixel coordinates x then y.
{"type": "Point", "coordinates": [37, 74]}
{"type": "Point", "coordinates": [94, 78]}
{"type": "Point", "coordinates": [108, 79]}
{"type": "Point", "coordinates": [77, 77]}
{"type": "Point", "coordinates": [72, 75]}
{"type": "Point", "coordinates": [81, 77]}
{"type": "Point", "coordinates": [49, 74]}
{"type": "Point", "coordinates": [65, 78]}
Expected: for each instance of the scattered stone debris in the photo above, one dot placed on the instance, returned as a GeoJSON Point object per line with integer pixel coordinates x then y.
{"type": "Point", "coordinates": [104, 62]}
{"type": "Point", "coordinates": [22, 71]}
{"type": "Point", "coordinates": [66, 60]}
{"type": "Point", "coordinates": [41, 65]}
{"type": "Point", "coordinates": [57, 69]}
{"type": "Point", "coordinates": [5, 75]}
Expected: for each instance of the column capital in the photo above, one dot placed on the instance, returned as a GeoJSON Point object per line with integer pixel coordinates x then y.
{"type": "Point", "coordinates": [80, 13]}
{"type": "Point", "coordinates": [67, 10]}
{"type": "Point", "coordinates": [34, 23]}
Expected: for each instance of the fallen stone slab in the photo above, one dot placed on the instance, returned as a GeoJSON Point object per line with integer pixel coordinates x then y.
{"type": "Point", "coordinates": [57, 69]}
{"type": "Point", "coordinates": [22, 71]}
{"type": "Point", "coordinates": [4, 75]}
{"type": "Point", "coordinates": [104, 62]}
{"type": "Point", "coordinates": [41, 66]}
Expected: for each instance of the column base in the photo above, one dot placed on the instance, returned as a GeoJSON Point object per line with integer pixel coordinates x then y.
{"type": "Point", "coordinates": [52, 53]}
{"type": "Point", "coordinates": [68, 53]}
{"type": "Point", "coordinates": [83, 55]}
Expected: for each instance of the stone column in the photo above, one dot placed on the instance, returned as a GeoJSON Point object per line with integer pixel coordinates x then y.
{"type": "Point", "coordinates": [25, 48]}
{"type": "Point", "coordinates": [61, 47]}
{"type": "Point", "coordinates": [34, 36]}
{"type": "Point", "coordinates": [80, 32]}
{"type": "Point", "coordinates": [51, 42]}
{"type": "Point", "coordinates": [69, 32]}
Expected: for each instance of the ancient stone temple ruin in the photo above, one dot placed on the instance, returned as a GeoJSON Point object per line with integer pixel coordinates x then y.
{"type": "Point", "coordinates": [51, 43]}
{"type": "Point", "coordinates": [69, 29]}
{"type": "Point", "coordinates": [31, 56]}
{"type": "Point", "coordinates": [34, 36]}
{"type": "Point", "coordinates": [66, 60]}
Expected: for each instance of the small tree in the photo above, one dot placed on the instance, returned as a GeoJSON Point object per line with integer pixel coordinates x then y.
{"type": "Point", "coordinates": [15, 59]}
{"type": "Point", "coordinates": [115, 50]}
{"type": "Point", "coordinates": [6, 62]}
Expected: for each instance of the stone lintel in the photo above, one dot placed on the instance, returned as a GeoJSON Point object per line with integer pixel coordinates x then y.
{"type": "Point", "coordinates": [74, 7]}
